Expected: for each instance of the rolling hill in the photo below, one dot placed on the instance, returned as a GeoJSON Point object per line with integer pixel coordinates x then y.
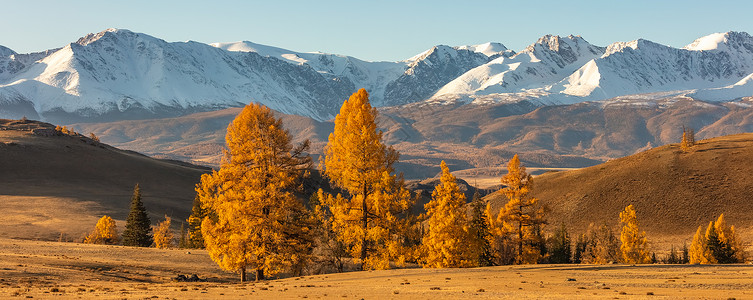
{"type": "Point", "coordinates": [53, 183]}
{"type": "Point", "coordinates": [673, 192]}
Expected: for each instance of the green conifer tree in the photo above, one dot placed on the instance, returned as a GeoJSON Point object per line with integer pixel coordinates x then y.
{"type": "Point", "coordinates": [138, 231]}
{"type": "Point", "coordinates": [195, 238]}
{"type": "Point", "coordinates": [183, 243]}
{"type": "Point", "coordinates": [561, 248]}
{"type": "Point", "coordinates": [480, 231]}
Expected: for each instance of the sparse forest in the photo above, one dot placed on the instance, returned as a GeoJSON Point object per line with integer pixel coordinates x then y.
{"type": "Point", "coordinates": [254, 214]}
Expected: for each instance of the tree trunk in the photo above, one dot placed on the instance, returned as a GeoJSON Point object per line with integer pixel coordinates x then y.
{"type": "Point", "coordinates": [520, 236]}
{"type": "Point", "coordinates": [243, 274]}
{"type": "Point", "coordinates": [364, 224]}
{"type": "Point", "coordinates": [259, 274]}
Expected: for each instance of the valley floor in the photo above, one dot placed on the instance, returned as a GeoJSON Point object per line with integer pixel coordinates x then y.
{"type": "Point", "coordinates": [68, 270]}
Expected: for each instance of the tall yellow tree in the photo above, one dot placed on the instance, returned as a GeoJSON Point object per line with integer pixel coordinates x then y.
{"type": "Point", "coordinates": [522, 217]}
{"type": "Point", "coordinates": [357, 161]}
{"type": "Point", "coordinates": [105, 232]}
{"type": "Point", "coordinates": [446, 242]}
{"type": "Point", "coordinates": [163, 235]}
{"type": "Point", "coordinates": [254, 220]}
{"type": "Point", "coordinates": [634, 246]}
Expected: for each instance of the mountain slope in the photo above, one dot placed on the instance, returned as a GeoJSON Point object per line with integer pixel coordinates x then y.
{"type": "Point", "coordinates": [53, 183]}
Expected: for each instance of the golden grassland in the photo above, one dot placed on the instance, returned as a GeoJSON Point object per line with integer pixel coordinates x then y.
{"type": "Point", "coordinates": [79, 271]}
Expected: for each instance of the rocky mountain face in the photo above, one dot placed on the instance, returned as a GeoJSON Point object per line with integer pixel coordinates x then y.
{"type": "Point", "coordinates": [430, 71]}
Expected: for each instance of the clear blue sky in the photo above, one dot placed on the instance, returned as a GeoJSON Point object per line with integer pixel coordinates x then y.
{"type": "Point", "coordinates": [371, 30]}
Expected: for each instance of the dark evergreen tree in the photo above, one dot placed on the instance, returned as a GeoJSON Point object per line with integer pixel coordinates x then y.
{"type": "Point", "coordinates": [673, 258]}
{"type": "Point", "coordinates": [722, 252]}
{"type": "Point", "coordinates": [480, 231]}
{"type": "Point", "coordinates": [195, 238]}
{"type": "Point", "coordinates": [685, 255]}
{"type": "Point", "coordinates": [183, 243]}
{"type": "Point", "coordinates": [560, 248]}
{"type": "Point", "coordinates": [138, 231]}
{"type": "Point", "coordinates": [580, 247]}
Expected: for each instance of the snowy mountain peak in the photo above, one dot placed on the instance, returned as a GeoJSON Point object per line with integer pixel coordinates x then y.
{"type": "Point", "coordinates": [93, 37]}
{"type": "Point", "coordinates": [6, 52]}
{"type": "Point", "coordinates": [562, 51]}
{"type": "Point", "coordinates": [488, 49]}
{"type": "Point", "coordinates": [634, 45]}
{"type": "Point", "coordinates": [722, 42]}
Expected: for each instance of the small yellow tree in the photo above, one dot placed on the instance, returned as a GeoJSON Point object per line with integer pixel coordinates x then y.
{"type": "Point", "coordinates": [367, 218]}
{"type": "Point", "coordinates": [634, 247]}
{"type": "Point", "coordinates": [699, 252]}
{"type": "Point", "coordinates": [254, 220]}
{"type": "Point", "coordinates": [105, 232]}
{"type": "Point", "coordinates": [688, 139]}
{"type": "Point", "coordinates": [447, 240]}
{"type": "Point", "coordinates": [163, 235]}
{"type": "Point", "coordinates": [522, 217]}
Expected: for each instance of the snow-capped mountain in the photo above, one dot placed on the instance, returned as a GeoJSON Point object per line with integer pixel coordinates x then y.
{"type": "Point", "coordinates": [429, 71]}
{"type": "Point", "coordinates": [373, 76]}
{"type": "Point", "coordinates": [122, 72]}
{"type": "Point", "coordinates": [119, 74]}
{"type": "Point", "coordinates": [547, 61]}
{"type": "Point", "coordinates": [643, 66]}
{"type": "Point", "coordinates": [389, 83]}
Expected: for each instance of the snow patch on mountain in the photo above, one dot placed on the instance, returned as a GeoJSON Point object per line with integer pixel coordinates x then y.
{"type": "Point", "coordinates": [488, 49]}
{"type": "Point", "coordinates": [709, 42]}
{"type": "Point", "coordinates": [742, 88]}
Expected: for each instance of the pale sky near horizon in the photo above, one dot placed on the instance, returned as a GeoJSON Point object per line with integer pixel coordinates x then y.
{"type": "Point", "coordinates": [371, 30]}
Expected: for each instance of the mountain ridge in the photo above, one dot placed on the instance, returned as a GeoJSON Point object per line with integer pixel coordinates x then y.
{"type": "Point", "coordinates": [118, 74]}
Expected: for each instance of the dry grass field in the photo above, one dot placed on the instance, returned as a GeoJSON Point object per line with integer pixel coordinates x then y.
{"type": "Point", "coordinates": [79, 271]}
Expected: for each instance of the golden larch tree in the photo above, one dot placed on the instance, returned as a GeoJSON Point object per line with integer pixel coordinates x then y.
{"type": "Point", "coordinates": [634, 246]}
{"type": "Point", "coordinates": [254, 220]}
{"type": "Point", "coordinates": [447, 239]}
{"type": "Point", "coordinates": [357, 161]}
{"type": "Point", "coordinates": [688, 139]}
{"type": "Point", "coordinates": [163, 235]}
{"type": "Point", "coordinates": [105, 232]}
{"type": "Point", "coordinates": [522, 217]}
{"type": "Point", "coordinates": [699, 249]}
